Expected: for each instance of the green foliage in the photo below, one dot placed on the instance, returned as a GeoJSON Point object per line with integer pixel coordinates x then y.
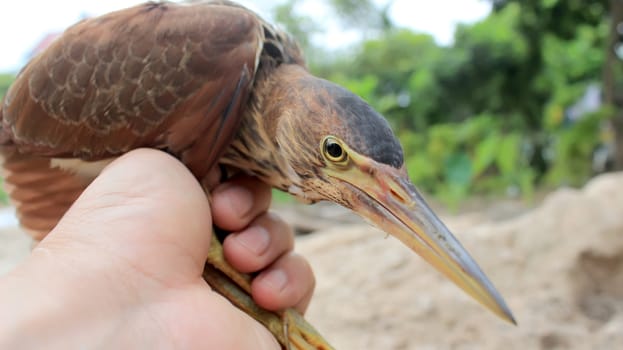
{"type": "Point", "coordinates": [454, 160]}
{"type": "Point", "coordinates": [5, 82]}
{"type": "Point", "coordinates": [281, 197]}
{"type": "Point", "coordinates": [363, 14]}
{"type": "Point", "coordinates": [494, 74]}
{"type": "Point", "coordinates": [558, 17]}
{"type": "Point", "coordinates": [4, 197]}
{"type": "Point", "coordinates": [301, 27]}
{"type": "Point", "coordinates": [393, 58]}
{"type": "Point", "coordinates": [496, 38]}
{"type": "Point", "coordinates": [572, 146]}
{"type": "Point", "coordinates": [486, 115]}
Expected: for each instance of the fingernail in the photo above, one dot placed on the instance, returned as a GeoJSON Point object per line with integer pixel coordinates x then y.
{"type": "Point", "coordinates": [276, 278]}
{"type": "Point", "coordinates": [255, 238]}
{"type": "Point", "coordinates": [240, 199]}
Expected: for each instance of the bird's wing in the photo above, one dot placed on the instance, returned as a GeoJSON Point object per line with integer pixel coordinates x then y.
{"type": "Point", "coordinates": [160, 75]}
{"type": "Point", "coordinates": [41, 193]}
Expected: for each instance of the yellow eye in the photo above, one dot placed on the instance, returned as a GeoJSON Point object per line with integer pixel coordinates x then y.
{"type": "Point", "coordinates": [333, 150]}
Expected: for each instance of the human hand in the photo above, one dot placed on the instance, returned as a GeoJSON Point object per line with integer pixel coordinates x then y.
{"type": "Point", "coordinates": [123, 268]}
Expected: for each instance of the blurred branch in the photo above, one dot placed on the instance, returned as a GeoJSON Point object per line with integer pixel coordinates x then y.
{"type": "Point", "coordinates": [364, 15]}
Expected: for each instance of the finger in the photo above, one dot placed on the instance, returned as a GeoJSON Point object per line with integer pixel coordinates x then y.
{"type": "Point", "coordinates": [289, 282]}
{"type": "Point", "coordinates": [259, 245]}
{"type": "Point", "coordinates": [238, 201]}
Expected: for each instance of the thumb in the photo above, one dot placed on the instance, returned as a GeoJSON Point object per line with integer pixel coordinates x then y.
{"type": "Point", "coordinates": [145, 207]}
{"type": "Point", "coordinates": [144, 216]}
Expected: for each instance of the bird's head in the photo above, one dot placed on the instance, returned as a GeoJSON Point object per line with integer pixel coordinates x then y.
{"type": "Point", "coordinates": [342, 150]}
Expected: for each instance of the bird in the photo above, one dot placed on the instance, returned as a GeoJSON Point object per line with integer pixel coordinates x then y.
{"type": "Point", "coordinates": [214, 85]}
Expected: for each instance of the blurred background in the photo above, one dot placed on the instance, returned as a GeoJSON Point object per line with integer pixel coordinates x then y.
{"type": "Point", "coordinates": [501, 98]}
{"type": "Point", "coordinates": [505, 109]}
{"type": "Point", "coordinates": [520, 97]}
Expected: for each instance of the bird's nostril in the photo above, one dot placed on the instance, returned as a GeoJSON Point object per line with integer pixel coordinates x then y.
{"type": "Point", "coordinates": [397, 196]}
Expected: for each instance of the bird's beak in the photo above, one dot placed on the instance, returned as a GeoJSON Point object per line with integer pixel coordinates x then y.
{"type": "Point", "coordinates": [385, 196]}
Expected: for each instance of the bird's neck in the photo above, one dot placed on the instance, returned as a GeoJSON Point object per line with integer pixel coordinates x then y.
{"type": "Point", "coordinates": [255, 149]}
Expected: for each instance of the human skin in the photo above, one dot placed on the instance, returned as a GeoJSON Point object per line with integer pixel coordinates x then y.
{"type": "Point", "coordinates": [122, 269]}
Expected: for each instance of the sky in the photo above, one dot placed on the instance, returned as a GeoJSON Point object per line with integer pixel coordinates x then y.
{"type": "Point", "coordinates": [24, 23]}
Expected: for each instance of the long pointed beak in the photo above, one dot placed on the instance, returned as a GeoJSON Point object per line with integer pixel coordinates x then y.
{"type": "Point", "coordinates": [385, 197]}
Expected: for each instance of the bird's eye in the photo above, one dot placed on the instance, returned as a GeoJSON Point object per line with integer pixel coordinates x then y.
{"type": "Point", "coordinates": [333, 151]}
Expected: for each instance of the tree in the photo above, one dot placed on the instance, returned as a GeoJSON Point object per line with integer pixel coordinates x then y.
{"type": "Point", "coordinates": [365, 15]}
{"type": "Point", "coordinates": [613, 76]}
{"type": "Point", "coordinates": [490, 111]}
{"type": "Point", "coordinates": [301, 27]}
{"type": "Point", "coordinates": [568, 20]}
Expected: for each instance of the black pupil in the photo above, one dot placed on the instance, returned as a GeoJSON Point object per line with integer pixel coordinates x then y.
{"type": "Point", "coordinates": [334, 150]}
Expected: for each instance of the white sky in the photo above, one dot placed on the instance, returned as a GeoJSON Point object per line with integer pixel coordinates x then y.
{"type": "Point", "coordinates": [24, 23]}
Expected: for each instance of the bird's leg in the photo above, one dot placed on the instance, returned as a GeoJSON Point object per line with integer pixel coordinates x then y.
{"type": "Point", "coordinates": [289, 327]}
{"type": "Point", "coordinates": [216, 258]}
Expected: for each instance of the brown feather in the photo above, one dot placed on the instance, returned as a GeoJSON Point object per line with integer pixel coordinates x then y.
{"type": "Point", "coordinates": [161, 75]}
{"type": "Point", "coordinates": [41, 194]}
{"type": "Point", "coordinates": [134, 77]}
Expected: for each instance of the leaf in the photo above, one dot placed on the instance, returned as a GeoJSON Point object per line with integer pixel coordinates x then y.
{"type": "Point", "coordinates": [526, 183]}
{"type": "Point", "coordinates": [458, 169]}
{"type": "Point", "coordinates": [508, 156]}
{"type": "Point", "coordinates": [485, 153]}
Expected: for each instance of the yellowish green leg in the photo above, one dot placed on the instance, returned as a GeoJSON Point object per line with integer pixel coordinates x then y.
{"type": "Point", "coordinates": [289, 327]}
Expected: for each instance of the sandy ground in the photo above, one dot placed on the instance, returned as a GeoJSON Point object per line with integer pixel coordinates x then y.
{"type": "Point", "coordinates": [559, 266]}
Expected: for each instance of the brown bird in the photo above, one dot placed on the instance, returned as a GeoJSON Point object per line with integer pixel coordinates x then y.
{"type": "Point", "coordinates": [214, 85]}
